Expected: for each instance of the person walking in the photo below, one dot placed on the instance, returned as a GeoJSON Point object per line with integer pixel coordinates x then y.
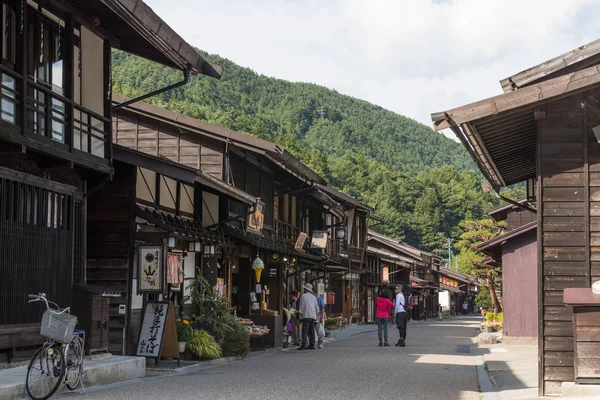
{"type": "Point", "coordinates": [295, 319]}
{"type": "Point", "coordinates": [320, 320]}
{"type": "Point", "coordinates": [309, 309]}
{"type": "Point", "coordinates": [401, 316]}
{"type": "Point", "coordinates": [383, 309]}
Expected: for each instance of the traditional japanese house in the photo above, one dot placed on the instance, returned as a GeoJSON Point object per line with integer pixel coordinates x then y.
{"type": "Point", "coordinates": [153, 205]}
{"type": "Point", "coordinates": [516, 252]}
{"type": "Point", "coordinates": [417, 271]}
{"type": "Point", "coordinates": [55, 139]}
{"type": "Point", "coordinates": [456, 288]}
{"type": "Point", "coordinates": [544, 130]}
{"type": "Point", "coordinates": [348, 280]}
{"type": "Point", "coordinates": [294, 206]}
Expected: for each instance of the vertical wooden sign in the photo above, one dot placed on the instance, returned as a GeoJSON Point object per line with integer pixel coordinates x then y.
{"type": "Point", "coordinates": [158, 334]}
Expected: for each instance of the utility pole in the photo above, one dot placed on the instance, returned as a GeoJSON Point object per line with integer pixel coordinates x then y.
{"type": "Point", "coordinates": [449, 243]}
{"type": "Point", "coordinates": [321, 112]}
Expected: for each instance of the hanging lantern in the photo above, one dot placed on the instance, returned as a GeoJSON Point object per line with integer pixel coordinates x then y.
{"type": "Point", "coordinates": [258, 265]}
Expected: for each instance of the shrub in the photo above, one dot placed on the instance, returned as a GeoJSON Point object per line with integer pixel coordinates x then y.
{"type": "Point", "coordinates": [330, 323]}
{"type": "Point", "coordinates": [490, 316]}
{"type": "Point", "coordinates": [204, 345]}
{"type": "Point", "coordinates": [210, 307]}
{"type": "Point", "coordinates": [184, 330]}
{"type": "Point", "coordinates": [500, 319]}
{"type": "Point", "coordinates": [236, 342]}
{"type": "Point", "coordinates": [200, 325]}
{"type": "Point", "coordinates": [483, 299]}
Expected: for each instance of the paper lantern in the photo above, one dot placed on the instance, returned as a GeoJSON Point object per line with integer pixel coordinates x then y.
{"type": "Point", "coordinates": [258, 265]}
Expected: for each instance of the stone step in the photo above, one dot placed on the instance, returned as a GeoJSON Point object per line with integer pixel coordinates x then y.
{"type": "Point", "coordinates": [103, 371]}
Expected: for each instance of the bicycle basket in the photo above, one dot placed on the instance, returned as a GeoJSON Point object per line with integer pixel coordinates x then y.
{"type": "Point", "coordinates": [57, 326]}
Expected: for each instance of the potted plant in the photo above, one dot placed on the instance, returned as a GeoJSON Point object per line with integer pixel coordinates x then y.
{"type": "Point", "coordinates": [184, 333]}
{"type": "Point", "coordinates": [330, 324]}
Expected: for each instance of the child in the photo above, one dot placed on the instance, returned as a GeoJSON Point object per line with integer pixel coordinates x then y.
{"type": "Point", "coordinates": [383, 308]}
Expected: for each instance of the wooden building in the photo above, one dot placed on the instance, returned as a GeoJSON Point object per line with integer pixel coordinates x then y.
{"type": "Point", "coordinates": [416, 270]}
{"type": "Point", "coordinates": [152, 203]}
{"type": "Point", "coordinates": [516, 252]}
{"type": "Point", "coordinates": [55, 139]}
{"type": "Point", "coordinates": [301, 229]}
{"type": "Point", "coordinates": [544, 130]}
{"type": "Point", "coordinates": [457, 288]}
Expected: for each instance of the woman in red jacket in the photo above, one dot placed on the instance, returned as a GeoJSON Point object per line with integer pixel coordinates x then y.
{"type": "Point", "coordinates": [383, 308]}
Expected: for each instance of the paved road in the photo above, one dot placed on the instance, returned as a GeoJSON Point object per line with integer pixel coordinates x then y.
{"type": "Point", "coordinates": [354, 368]}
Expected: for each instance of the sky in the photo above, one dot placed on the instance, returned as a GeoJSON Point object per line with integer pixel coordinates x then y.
{"type": "Point", "coordinates": [413, 57]}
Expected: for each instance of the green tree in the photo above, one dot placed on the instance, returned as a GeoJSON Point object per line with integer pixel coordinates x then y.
{"type": "Point", "coordinates": [472, 261]}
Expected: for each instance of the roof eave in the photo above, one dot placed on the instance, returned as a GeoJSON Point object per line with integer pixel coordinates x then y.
{"type": "Point", "coordinates": [161, 36]}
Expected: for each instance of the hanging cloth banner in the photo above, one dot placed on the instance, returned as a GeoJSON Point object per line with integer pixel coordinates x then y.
{"type": "Point", "coordinates": [174, 266]}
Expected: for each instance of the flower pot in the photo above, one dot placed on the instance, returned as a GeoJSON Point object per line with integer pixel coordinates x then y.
{"type": "Point", "coordinates": [490, 329]}
{"type": "Point", "coordinates": [182, 346]}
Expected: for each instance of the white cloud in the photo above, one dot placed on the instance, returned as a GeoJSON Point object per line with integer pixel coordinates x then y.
{"type": "Point", "coordinates": [412, 56]}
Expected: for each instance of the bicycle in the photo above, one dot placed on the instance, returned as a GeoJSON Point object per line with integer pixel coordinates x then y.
{"type": "Point", "coordinates": [60, 359]}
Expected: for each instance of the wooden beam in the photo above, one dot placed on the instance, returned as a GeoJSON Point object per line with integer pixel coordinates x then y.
{"type": "Point", "coordinates": [550, 90]}
{"type": "Point", "coordinates": [551, 67]}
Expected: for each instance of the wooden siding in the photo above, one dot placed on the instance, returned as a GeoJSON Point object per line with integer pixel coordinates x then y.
{"type": "Point", "coordinates": [570, 230]}
{"type": "Point", "coordinates": [517, 218]}
{"type": "Point", "coordinates": [519, 275]}
{"type": "Point", "coordinates": [109, 240]}
{"type": "Point", "coordinates": [164, 140]}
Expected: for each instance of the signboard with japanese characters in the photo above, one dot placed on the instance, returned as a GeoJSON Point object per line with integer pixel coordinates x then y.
{"type": "Point", "coordinates": [257, 218]}
{"type": "Point", "coordinates": [153, 327]}
{"type": "Point", "coordinates": [158, 336]}
{"type": "Point", "coordinates": [150, 269]}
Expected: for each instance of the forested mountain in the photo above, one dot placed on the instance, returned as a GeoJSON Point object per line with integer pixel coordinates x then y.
{"type": "Point", "coordinates": [422, 183]}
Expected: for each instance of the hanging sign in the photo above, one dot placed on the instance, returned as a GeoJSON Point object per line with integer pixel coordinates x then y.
{"type": "Point", "coordinates": [150, 269]}
{"type": "Point", "coordinates": [299, 246]}
{"type": "Point", "coordinates": [257, 218]}
{"type": "Point", "coordinates": [158, 334]}
{"type": "Point", "coordinates": [319, 240]}
{"type": "Point", "coordinates": [330, 297]}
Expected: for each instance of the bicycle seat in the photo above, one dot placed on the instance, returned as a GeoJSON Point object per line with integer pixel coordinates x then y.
{"type": "Point", "coordinates": [78, 331]}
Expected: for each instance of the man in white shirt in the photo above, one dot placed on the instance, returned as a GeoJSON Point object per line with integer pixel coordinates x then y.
{"type": "Point", "coordinates": [309, 309]}
{"type": "Point", "coordinates": [401, 316]}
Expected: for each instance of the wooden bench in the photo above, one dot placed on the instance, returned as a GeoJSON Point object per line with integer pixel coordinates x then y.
{"type": "Point", "coordinates": [13, 337]}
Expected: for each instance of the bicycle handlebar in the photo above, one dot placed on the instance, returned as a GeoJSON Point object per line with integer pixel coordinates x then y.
{"type": "Point", "coordinates": [42, 297]}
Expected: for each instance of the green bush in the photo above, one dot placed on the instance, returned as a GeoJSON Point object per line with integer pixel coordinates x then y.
{"type": "Point", "coordinates": [184, 330]}
{"type": "Point", "coordinates": [500, 319]}
{"type": "Point", "coordinates": [483, 299]}
{"type": "Point", "coordinates": [211, 310]}
{"type": "Point", "coordinates": [236, 342]}
{"type": "Point", "coordinates": [330, 323]}
{"type": "Point", "coordinates": [490, 316]}
{"type": "Point", "coordinates": [204, 345]}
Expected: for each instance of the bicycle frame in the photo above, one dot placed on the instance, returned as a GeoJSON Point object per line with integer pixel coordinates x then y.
{"type": "Point", "coordinates": [69, 365]}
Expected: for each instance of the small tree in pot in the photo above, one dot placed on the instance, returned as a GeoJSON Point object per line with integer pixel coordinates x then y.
{"type": "Point", "coordinates": [184, 333]}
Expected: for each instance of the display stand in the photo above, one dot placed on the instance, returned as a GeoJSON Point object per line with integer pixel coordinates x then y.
{"type": "Point", "coordinates": [158, 334]}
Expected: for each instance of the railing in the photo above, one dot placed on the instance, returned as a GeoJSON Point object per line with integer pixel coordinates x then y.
{"type": "Point", "coordinates": [47, 114]}
{"type": "Point", "coordinates": [90, 132]}
{"type": "Point", "coordinates": [10, 98]}
{"type": "Point", "coordinates": [335, 247]}
{"type": "Point", "coordinates": [286, 232]}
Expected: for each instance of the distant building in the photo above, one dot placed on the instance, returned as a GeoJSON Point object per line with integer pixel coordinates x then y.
{"type": "Point", "coordinates": [516, 252]}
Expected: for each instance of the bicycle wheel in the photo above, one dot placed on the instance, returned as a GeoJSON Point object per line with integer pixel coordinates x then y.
{"type": "Point", "coordinates": [74, 358]}
{"type": "Point", "coordinates": [45, 372]}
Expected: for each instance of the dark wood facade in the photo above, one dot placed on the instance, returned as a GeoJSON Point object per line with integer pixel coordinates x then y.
{"type": "Point", "coordinates": [519, 276]}
{"type": "Point", "coordinates": [549, 138]}
{"type": "Point", "coordinates": [56, 141]}
{"type": "Point", "coordinates": [416, 270]}
{"type": "Point", "coordinates": [516, 252]}
{"type": "Point", "coordinates": [295, 201]}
